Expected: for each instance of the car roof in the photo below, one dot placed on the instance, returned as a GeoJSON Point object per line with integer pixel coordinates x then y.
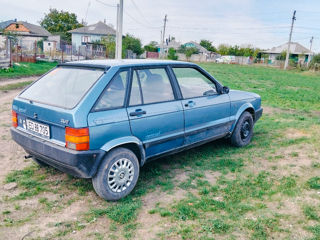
{"type": "Point", "coordinates": [107, 63]}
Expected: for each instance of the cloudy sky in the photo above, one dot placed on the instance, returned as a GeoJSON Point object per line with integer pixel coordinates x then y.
{"type": "Point", "coordinates": [262, 23]}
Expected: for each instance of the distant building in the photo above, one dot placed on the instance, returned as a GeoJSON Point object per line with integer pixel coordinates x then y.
{"type": "Point", "coordinates": [196, 45]}
{"type": "Point", "coordinates": [297, 51]}
{"type": "Point", "coordinates": [91, 33]}
{"type": "Point", "coordinates": [26, 33]}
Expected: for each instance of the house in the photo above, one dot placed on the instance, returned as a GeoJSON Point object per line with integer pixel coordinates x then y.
{"type": "Point", "coordinates": [91, 34]}
{"type": "Point", "coordinates": [297, 52]}
{"type": "Point", "coordinates": [52, 43]}
{"type": "Point", "coordinates": [196, 45]}
{"type": "Point", "coordinates": [27, 34]}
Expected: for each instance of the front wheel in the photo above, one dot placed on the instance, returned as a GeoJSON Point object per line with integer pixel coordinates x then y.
{"type": "Point", "coordinates": [243, 132]}
{"type": "Point", "coordinates": [117, 175]}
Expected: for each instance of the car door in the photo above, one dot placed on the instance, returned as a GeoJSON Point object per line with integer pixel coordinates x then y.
{"type": "Point", "coordinates": [206, 111]}
{"type": "Point", "coordinates": [155, 114]}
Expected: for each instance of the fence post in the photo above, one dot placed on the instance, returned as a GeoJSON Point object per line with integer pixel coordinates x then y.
{"type": "Point", "coordinates": [79, 54]}
{"type": "Point", "coordinates": [71, 52]}
{"type": "Point", "coordinates": [35, 51]}
{"type": "Point", "coordinates": [10, 52]}
{"type": "Point", "coordinates": [62, 55]}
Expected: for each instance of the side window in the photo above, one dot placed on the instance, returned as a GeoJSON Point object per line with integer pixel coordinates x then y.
{"type": "Point", "coordinates": [193, 83]}
{"type": "Point", "coordinates": [155, 85]}
{"type": "Point", "coordinates": [113, 96]}
{"type": "Point", "coordinates": [135, 96]}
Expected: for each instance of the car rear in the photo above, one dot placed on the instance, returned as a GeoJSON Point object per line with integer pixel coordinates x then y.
{"type": "Point", "coordinates": [50, 123]}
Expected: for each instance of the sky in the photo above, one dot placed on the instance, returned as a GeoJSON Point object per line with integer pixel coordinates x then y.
{"type": "Point", "coordinates": [260, 23]}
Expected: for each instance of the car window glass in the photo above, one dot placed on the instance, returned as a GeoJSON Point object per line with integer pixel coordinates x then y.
{"type": "Point", "coordinates": [113, 96]}
{"type": "Point", "coordinates": [135, 96]}
{"type": "Point", "coordinates": [155, 85]}
{"type": "Point", "coordinates": [62, 87]}
{"type": "Point", "coordinates": [193, 83]}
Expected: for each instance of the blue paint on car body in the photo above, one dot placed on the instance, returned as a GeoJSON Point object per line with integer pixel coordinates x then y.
{"type": "Point", "coordinates": [151, 129]}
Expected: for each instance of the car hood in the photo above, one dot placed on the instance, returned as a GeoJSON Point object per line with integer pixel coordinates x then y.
{"type": "Point", "coordinates": [243, 94]}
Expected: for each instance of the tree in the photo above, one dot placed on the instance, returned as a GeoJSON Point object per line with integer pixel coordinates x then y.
{"type": "Point", "coordinates": [60, 23]}
{"type": "Point", "coordinates": [208, 45]}
{"type": "Point", "coordinates": [223, 49]}
{"type": "Point", "coordinates": [190, 51]}
{"type": "Point", "coordinates": [172, 54]}
{"type": "Point", "coordinates": [151, 47]}
{"type": "Point", "coordinates": [110, 44]}
{"type": "Point", "coordinates": [129, 42]}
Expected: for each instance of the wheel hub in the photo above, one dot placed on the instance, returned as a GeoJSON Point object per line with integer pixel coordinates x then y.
{"type": "Point", "coordinates": [120, 175]}
{"type": "Point", "coordinates": [245, 130]}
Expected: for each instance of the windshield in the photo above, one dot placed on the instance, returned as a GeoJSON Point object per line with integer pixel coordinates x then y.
{"type": "Point", "coordinates": [62, 87]}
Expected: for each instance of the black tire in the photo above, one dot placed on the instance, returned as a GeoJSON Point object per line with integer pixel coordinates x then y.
{"type": "Point", "coordinates": [243, 132]}
{"type": "Point", "coordinates": [39, 162]}
{"type": "Point", "coordinates": [102, 181]}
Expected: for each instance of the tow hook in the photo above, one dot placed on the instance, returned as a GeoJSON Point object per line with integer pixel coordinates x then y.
{"type": "Point", "coordinates": [28, 156]}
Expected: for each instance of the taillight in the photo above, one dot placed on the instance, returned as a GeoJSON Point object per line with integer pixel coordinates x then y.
{"type": "Point", "coordinates": [77, 138]}
{"type": "Point", "coordinates": [14, 119]}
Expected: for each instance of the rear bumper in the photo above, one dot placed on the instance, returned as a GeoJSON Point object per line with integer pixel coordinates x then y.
{"type": "Point", "coordinates": [258, 114]}
{"type": "Point", "coordinates": [82, 164]}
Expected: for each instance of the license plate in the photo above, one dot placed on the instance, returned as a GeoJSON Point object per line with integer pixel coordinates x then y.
{"type": "Point", "coordinates": [38, 128]}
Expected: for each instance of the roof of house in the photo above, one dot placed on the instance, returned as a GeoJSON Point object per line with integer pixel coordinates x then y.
{"type": "Point", "coordinates": [34, 30]}
{"type": "Point", "coordinates": [99, 28]}
{"type": "Point", "coordinates": [196, 45]}
{"type": "Point", "coordinates": [295, 48]}
{"type": "Point", "coordinates": [5, 24]}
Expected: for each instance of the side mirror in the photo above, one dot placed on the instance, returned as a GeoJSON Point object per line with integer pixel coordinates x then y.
{"type": "Point", "coordinates": [225, 90]}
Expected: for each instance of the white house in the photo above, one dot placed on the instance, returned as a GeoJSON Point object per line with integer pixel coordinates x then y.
{"type": "Point", "coordinates": [90, 34]}
{"type": "Point", "coordinates": [297, 51]}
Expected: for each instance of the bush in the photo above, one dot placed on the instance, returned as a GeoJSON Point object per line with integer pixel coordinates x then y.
{"type": "Point", "coordinates": [172, 54]}
{"type": "Point", "coordinates": [315, 62]}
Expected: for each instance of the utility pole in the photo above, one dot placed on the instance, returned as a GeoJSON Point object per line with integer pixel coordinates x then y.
{"type": "Point", "coordinates": [310, 55]}
{"type": "Point", "coordinates": [119, 30]}
{"type": "Point", "coordinates": [311, 40]}
{"type": "Point", "coordinates": [289, 43]}
{"type": "Point", "coordinates": [163, 34]}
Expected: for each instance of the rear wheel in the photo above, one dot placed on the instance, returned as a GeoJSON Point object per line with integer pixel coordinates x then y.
{"type": "Point", "coordinates": [117, 175]}
{"type": "Point", "coordinates": [243, 132]}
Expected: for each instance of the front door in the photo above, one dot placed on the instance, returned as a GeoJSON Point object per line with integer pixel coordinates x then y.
{"type": "Point", "coordinates": [156, 117]}
{"type": "Point", "coordinates": [207, 112]}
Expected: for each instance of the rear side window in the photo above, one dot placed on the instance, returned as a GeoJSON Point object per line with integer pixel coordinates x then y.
{"type": "Point", "coordinates": [113, 96]}
{"type": "Point", "coordinates": [62, 87]}
{"type": "Point", "coordinates": [193, 83]}
{"type": "Point", "coordinates": [154, 84]}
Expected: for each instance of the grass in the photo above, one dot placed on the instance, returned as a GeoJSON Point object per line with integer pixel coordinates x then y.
{"type": "Point", "coordinates": [27, 69]}
{"type": "Point", "coordinates": [248, 193]}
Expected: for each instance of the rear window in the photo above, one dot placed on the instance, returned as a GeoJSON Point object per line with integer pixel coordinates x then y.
{"type": "Point", "coordinates": [62, 87]}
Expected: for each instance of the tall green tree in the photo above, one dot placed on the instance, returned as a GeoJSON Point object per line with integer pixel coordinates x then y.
{"type": "Point", "coordinates": [208, 45]}
{"type": "Point", "coordinates": [129, 42]}
{"type": "Point", "coordinates": [60, 22]}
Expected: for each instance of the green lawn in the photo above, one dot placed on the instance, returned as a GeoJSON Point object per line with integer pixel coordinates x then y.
{"type": "Point", "coordinates": [26, 69]}
{"type": "Point", "coordinates": [267, 190]}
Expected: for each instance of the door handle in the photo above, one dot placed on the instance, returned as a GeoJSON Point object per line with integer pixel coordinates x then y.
{"type": "Point", "coordinates": [189, 104]}
{"type": "Point", "coordinates": [137, 113]}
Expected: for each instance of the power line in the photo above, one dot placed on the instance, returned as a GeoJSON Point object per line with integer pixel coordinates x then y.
{"type": "Point", "coordinates": [140, 12]}
{"type": "Point", "coordinates": [107, 4]}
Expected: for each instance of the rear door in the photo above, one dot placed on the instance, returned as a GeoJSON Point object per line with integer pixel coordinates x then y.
{"type": "Point", "coordinates": [207, 112]}
{"type": "Point", "coordinates": [156, 116]}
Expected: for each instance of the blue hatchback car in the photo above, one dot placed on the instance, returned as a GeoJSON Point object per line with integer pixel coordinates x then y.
{"type": "Point", "coordinates": [104, 119]}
